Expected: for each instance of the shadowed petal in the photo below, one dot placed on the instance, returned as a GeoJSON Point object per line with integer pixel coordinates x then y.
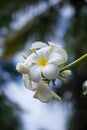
{"type": "Point", "coordinates": [35, 73]}
{"type": "Point", "coordinates": [43, 52]}
{"type": "Point", "coordinates": [31, 59]}
{"type": "Point", "coordinates": [55, 58]}
{"type": "Point", "coordinates": [29, 84]}
{"type": "Point", "coordinates": [58, 48]}
{"type": "Point", "coordinates": [63, 53]}
{"type": "Point", "coordinates": [50, 71]}
{"type": "Point", "coordinates": [38, 45]}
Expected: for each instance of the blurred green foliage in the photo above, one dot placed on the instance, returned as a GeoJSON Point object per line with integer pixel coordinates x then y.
{"type": "Point", "coordinates": [9, 114]}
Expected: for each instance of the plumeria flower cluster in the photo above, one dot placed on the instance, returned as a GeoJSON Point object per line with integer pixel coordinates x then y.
{"type": "Point", "coordinates": [42, 66]}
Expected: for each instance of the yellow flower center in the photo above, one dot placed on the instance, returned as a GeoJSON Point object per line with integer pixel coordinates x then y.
{"type": "Point", "coordinates": [42, 61]}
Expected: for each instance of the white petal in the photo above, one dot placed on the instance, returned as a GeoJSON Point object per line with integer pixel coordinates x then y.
{"type": "Point", "coordinates": [58, 48]}
{"type": "Point", "coordinates": [50, 71]}
{"type": "Point", "coordinates": [43, 52]}
{"type": "Point", "coordinates": [43, 93]}
{"type": "Point", "coordinates": [63, 53]}
{"type": "Point", "coordinates": [27, 82]}
{"type": "Point", "coordinates": [22, 68]}
{"type": "Point", "coordinates": [30, 84]}
{"type": "Point", "coordinates": [55, 58]}
{"type": "Point", "coordinates": [38, 45]}
{"type": "Point", "coordinates": [32, 58]}
{"type": "Point", "coordinates": [35, 73]}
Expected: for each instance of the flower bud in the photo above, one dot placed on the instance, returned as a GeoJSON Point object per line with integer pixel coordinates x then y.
{"type": "Point", "coordinates": [22, 68]}
{"type": "Point", "coordinates": [84, 87]}
{"type": "Point", "coordinates": [66, 73]}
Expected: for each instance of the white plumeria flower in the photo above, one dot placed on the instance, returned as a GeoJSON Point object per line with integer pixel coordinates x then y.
{"type": "Point", "coordinates": [40, 67]}
{"type": "Point", "coordinates": [53, 47]}
{"type": "Point", "coordinates": [45, 63]}
{"type": "Point", "coordinates": [42, 90]}
{"type": "Point", "coordinates": [45, 60]}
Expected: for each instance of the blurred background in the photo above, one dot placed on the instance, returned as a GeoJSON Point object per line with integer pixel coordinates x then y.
{"type": "Point", "coordinates": [23, 22]}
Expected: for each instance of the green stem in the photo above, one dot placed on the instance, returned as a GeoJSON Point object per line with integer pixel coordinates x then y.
{"type": "Point", "coordinates": [84, 57]}
{"type": "Point", "coordinates": [61, 78]}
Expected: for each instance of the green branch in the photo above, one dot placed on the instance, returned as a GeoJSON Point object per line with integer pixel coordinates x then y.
{"type": "Point", "coordinates": [61, 78]}
{"type": "Point", "coordinates": [84, 57]}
